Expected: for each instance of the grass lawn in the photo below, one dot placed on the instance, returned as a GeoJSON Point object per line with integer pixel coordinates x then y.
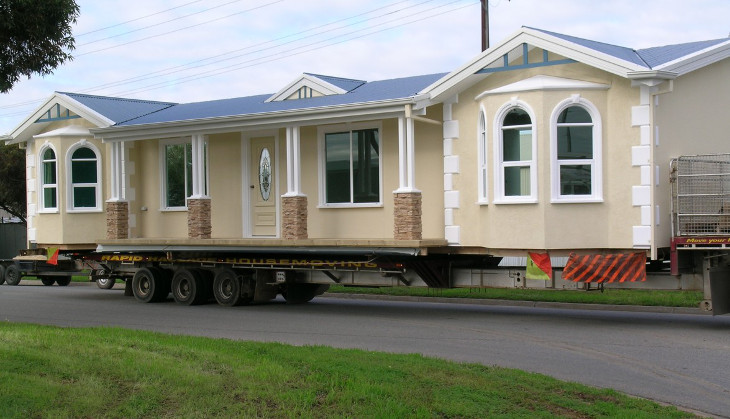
{"type": "Point", "coordinates": [608, 296]}
{"type": "Point", "coordinates": [108, 372]}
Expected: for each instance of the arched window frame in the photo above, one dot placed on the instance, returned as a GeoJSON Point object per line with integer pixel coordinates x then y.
{"type": "Point", "coordinates": [500, 165]}
{"type": "Point", "coordinates": [596, 162]}
{"type": "Point", "coordinates": [70, 204]}
{"type": "Point", "coordinates": [43, 206]}
{"type": "Point", "coordinates": [483, 164]}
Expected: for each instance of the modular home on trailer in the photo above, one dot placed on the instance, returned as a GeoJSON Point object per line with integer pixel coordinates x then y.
{"type": "Point", "coordinates": [544, 143]}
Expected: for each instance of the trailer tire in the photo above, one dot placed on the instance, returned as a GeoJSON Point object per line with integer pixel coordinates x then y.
{"type": "Point", "coordinates": [2, 274]}
{"type": "Point", "coordinates": [188, 287]}
{"type": "Point", "coordinates": [12, 275]}
{"type": "Point", "coordinates": [105, 283]}
{"type": "Point", "coordinates": [47, 281]}
{"type": "Point", "coordinates": [63, 281]}
{"type": "Point", "coordinates": [150, 285]}
{"type": "Point", "coordinates": [227, 289]}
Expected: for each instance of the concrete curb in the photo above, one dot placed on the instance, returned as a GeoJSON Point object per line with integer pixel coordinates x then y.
{"type": "Point", "coordinates": [520, 303]}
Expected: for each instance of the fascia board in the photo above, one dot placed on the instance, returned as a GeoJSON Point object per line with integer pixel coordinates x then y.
{"type": "Point", "coordinates": [698, 59]}
{"type": "Point", "coordinates": [323, 87]}
{"type": "Point", "coordinates": [21, 134]}
{"type": "Point", "coordinates": [312, 116]}
{"type": "Point", "coordinates": [538, 39]}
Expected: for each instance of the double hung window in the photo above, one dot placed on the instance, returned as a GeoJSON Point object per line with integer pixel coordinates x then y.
{"type": "Point", "coordinates": [83, 176]}
{"type": "Point", "coordinates": [516, 168]}
{"type": "Point", "coordinates": [178, 173]}
{"type": "Point", "coordinates": [49, 183]}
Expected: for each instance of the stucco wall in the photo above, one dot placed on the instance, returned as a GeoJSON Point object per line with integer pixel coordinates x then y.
{"type": "Point", "coordinates": [546, 225]}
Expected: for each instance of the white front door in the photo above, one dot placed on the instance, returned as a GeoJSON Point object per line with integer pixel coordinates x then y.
{"type": "Point", "coordinates": [262, 187]}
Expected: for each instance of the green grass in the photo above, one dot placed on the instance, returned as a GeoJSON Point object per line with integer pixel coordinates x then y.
{"type": "Point", "coordinates": [608, 296]}
{"type": "Point", "coordinates": [49, 372]}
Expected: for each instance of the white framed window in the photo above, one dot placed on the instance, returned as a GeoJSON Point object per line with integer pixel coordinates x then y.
{"type": "Point", "coordinates": [575, 152]}
{"type": "Point", "coordinates": [350, 166]}
{"type": "Point", "coordinates": [515, 151]}
{"type": "Point", "coordinates": [48, 176]}
{"type": "Point", "coordinates": [176, 163]}
{"type": "Point", "coordinates": [483, 184]}
{"type": "Point", "coordinates": [83, 178]}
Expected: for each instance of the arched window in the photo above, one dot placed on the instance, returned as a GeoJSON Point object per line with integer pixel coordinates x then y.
{"type": "Point", "coordinates": [84, 178]}
{"type": "Point", "coordinates": [482, 138]}
{"type": "Point", "coordinates": [576, 152]}
{"type": "Point", "coordinates": [515, 155]}
{"type": "Point", "coordinates": [48, 180]}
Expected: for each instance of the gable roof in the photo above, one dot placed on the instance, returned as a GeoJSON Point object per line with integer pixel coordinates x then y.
{"type": "Point", "coordinates": [664, 62]}
{"type": "Point", "coordinates": [101, 111]}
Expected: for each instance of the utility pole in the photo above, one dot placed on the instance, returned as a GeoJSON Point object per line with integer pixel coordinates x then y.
{"type": "Point", "coordinates": [485, 25]}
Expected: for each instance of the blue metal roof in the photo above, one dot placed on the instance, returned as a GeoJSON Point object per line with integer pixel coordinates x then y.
{"type": "Point", "coordinates": [118, 109]}
{"type": "Point", "coordinates": [376, 91]}
{"type": "Point", "coordinates": [648, 57]}
{"type": "Point", "coordinates": [344, 84]}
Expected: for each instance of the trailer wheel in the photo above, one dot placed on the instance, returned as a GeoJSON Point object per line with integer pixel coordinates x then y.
{"type": "Point", "coordinates": [47, 281]}
{"type": "Point", "coordinates": [228, 289]}
{"type": "Point", "coordinates": [188, 287]}
{"type": "Point", "coordinates": [302, 293]}
{"type": "Point", "coordinates": [150, 285]}
{"type": "Point", "coordinates": [105, 283]}
{"type": "Point", "coordinates": [2, 274]}
{"type": "Point", "coordinates": [12, 275]}
{"type": "Point", "coordinates": [62, 281]}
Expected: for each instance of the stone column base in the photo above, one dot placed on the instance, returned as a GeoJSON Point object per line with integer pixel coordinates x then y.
{"type": "Point", "coordinates": [199, 226]}
{"type": "Point", "coordinates": [294, 217]}
{"type": "Point", "coordinates": [407, 216]}
{"type": "Point", "coordinates": [117, 220]}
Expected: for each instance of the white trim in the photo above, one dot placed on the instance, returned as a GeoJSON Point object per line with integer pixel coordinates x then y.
{"type": "Point", "coordinates": [306, 80]}
{"type": "Point", "coordinates": [544, 83]}
{"type": "Point", "coordinates": [69, 179]}
{"type": "Point", "coordinates": [41, 196]}
{"type": "Point", "coordinates": [596, 162]}
{"type": "Point", "coordinates": [482, 163]}
{"type": "Point", "coordinates": [322, 157]}
{"type": "Point", "coordinates": [499, 165]}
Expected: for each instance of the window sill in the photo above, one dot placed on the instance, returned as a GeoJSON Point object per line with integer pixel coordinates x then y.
{"type": "Point", "coordinates": [577, 200]}
{"type": "Point", "coordinates": [48, 211]}
{"type": "Point", "coordinates": [348, 205]}
{"type": "Point", "coordinates": [83, 210]}
{"type": "Point", "coordinates": [174, 209]}
{"type": "Point", "coordinates": [509, 201]}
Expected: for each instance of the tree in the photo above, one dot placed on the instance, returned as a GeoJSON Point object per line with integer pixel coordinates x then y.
{"type": "Point", "coordinates": [35, 37]}
{"type": "Point", "coordinates": [12, 180]}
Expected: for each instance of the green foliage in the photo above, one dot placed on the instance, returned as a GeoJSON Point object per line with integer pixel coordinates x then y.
{"type": "Point", "coordinates": [12, 180]}
{"type": "Point", "coordinates": [103, 372]}
{"type": "Point", "coordinates": [35, 37]}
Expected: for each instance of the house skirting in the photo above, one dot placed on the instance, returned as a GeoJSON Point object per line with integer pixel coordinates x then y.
{"type": "Point", "coordinates": [199, 226]}
{"type": "Point", "coordinates": [407, 216]}
{"type": "Point", "coordinates": [117, 220]}
{"type": "Point", "coordinates": [294, 217]}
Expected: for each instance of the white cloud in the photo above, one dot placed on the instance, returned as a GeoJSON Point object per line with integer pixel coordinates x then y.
{"type": "Point", "coordinates": [446, 40]}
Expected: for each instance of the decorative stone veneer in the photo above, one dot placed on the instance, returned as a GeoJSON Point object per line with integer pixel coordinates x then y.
{"type": "Point", "coordinates": [199, 226]}
{"type": "Point", "coordinates": [117, 220]}
{"type": "Point", "coordinates": [407, 216]}
{"type": "Point", "coordinates": [294, 217]}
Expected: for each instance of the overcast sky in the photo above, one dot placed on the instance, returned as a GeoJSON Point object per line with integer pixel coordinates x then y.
{"type": "Point", "coordinates": [193, 50]}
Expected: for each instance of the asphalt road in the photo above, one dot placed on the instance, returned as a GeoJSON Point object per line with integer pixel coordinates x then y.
{"type": "Point", "coordinates": [680, 359]}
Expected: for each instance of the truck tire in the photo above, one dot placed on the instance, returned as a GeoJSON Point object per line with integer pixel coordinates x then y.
{"type": "Point", "coordinates": [12, 275]}
{"type": "Point", "coordinates": [150, 285]}
{"type": "Point", "coordinates": [188, 287]}
{"type": "Point", "coordinates": [63, 281]}
{"type": "Point", "coordinates": [47, 281]}
{"type": "Point", "coordinates": [227, 289]}
{"type": "Point", "coordinates": [105, 283]}
{"type": "Point", "coordinates": [2, 274]}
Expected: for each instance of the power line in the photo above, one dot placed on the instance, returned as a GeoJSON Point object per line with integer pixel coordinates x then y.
{"type": "Point", "coordinates": [135, 19]}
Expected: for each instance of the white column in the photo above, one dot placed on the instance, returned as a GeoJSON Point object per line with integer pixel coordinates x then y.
{"type": "Point", "coordinates": [406, 154]}
{"type": "Point", "coordinates": [293, 162]}
{"type": "Point", "coordinates": [198, 159]}
{"type": "Point", "coordinates": [118, 181]}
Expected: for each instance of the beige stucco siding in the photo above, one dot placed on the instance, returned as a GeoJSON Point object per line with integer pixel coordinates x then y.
{"type": "Point", "coordinates": [544, 224]}
{"type": "Point", "coordinates": [688, 130]}
{"type": "Point", "coordinates": [63, 227]}
{"type": "Point", "coordinates": [225, 185]}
